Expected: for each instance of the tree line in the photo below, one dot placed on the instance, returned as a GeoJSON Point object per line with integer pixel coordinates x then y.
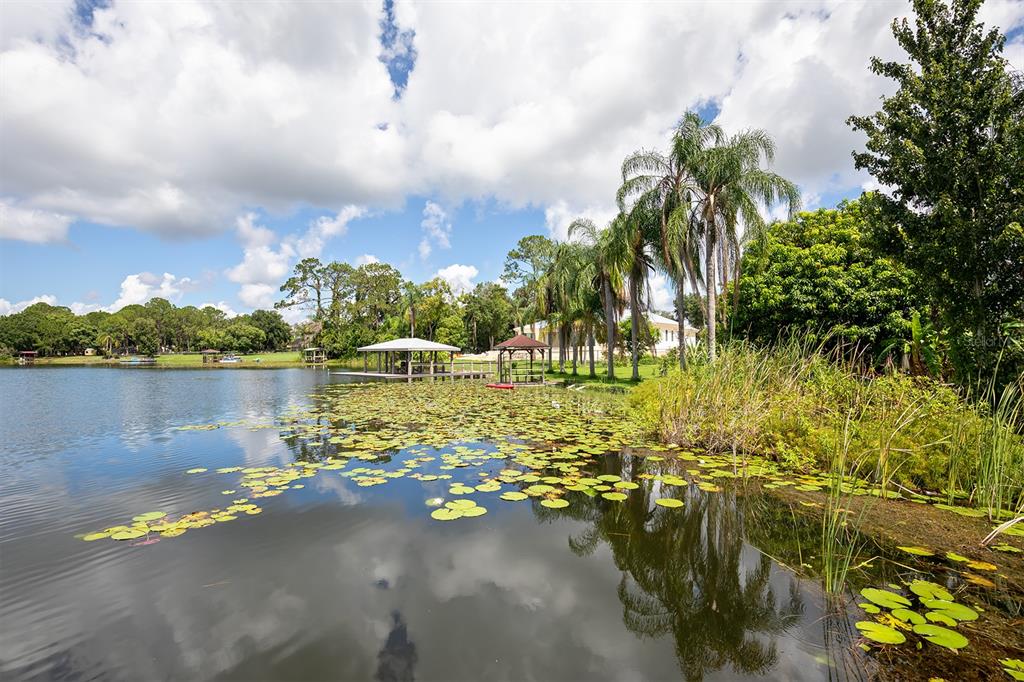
{"type": "Point", "coordinates": [150, 328]}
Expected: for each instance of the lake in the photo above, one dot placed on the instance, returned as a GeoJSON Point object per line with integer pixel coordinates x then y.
{"type": "Point", "coordinates": [342, 573]}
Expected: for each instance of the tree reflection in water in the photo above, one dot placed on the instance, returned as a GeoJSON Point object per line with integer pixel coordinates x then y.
{"type": "Point", "coordinates": [684, 575]}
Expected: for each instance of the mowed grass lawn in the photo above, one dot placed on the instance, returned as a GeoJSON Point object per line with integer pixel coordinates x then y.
{"type": "Point", "coordinates": [623, 373]}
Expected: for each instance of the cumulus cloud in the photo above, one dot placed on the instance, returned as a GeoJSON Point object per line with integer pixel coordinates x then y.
{"type": "Point", "coordinates": [559, 215]}
{"type": "Point", "coordinates": [143, 286]}
{"type": "Point", "coordinates": [366, 259]}
{"type": "Point", "coordinates": [437, 229]}
{"type": "Point", "coordinates": [222, 306]}
{"type": "Point", "coordinates": [263, 266]}
{"type": "Point", "coordinates": [459, 277]}
{"type": "Point", "coordinates": [31, 225]}
{"type": "Point", "coordinates": [302, 111]}
{"type": "Point", "coordinates": [323, 228]}
{"type": "Point", "coordinates": [8, 308]}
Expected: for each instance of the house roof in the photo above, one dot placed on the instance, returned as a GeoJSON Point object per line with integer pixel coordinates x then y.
{"type": "Point", "coordinates": [520, 342]}
{"type": "Point", "coordinates": [408, 344]}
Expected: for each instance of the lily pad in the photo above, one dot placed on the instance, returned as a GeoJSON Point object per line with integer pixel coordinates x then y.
{"type": "Point", "coordinates": [1014, 667]}
{"type": "Point", "coordinates": [446, 514]}
{"type": "Point", "coordinates": [951, 609]}
{"type": "Point", "coordinates": [1003, 547]}
{"type": "Point", "coordinates": [91, 537]}
{"type": "Point", "coordinates": [869, 608]}
{"type": "Point", "coordinates": [982, 566]}
{"type": "Point", "coordinates": [929, 590]}
{"type": "Point", "coordinates": [876, 632]}
{"type": "Point", "coordinates": [951, 639]}
{"type": "Point", "coordinates": [908, 616]}
{"type": "Point", "coordinates": [129, 534]}
{"type": "Point", "coordinates": [614, 497]}
{"type": "Point", "coordinates": [960, 558]}
{"type": "Point", "coordinates": [554, 504]}
{"type": "Point", "coordinates": [917, 551]}
{"type": "Point", "coordinates": [474, 511]}
{"type": "Point", "coordinates": [513, 496]}
{"type": "Point", "coordinates": [670, 502]}
{"type": "Point", "coordinates": [884, 598]}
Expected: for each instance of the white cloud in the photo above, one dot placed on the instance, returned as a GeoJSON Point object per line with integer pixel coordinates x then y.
{"type": "Point", "coordinates": [366, 259]}
{"type": "Point", "coordinates": [8, 308]}
{"type": "Point", "coordinates": [31, 225]}
{"type": "Point", "coordinates": [459, 277]}
{"type": "Point", "coordinates": [558, 216]}
{"type": "Point", "coordinates": [301, 112]}
{"type": "Point", "coordinates": [143, 286]}
{"type": "Point", "coordinates": [261, 264]}
{"type": "Point", "coordinates": [662, 293]}
{"type": "Point", "coordinates": [222, 306]}
{"type": "Point", "coordinates": [323, 228]}
{"type": "Point", "coordinates": [437, 229]}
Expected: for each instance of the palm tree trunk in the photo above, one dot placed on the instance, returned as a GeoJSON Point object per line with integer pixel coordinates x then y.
{"type": "Point", "coordinates": [609, 322]}
{"type": "Point", "coordinates": [634, 304]}
{"type": "Point", "coordinates": [551, 348]}
{"type": "Point", "coordinates": [575, 348]}
{"type": "Point", "coordinates": [712, 285]}
{"type": "Point", "coordinates": [561, 349]}
{"type": "Point", "coordinates": [681, 317]}
{"type": "Point", "coordinates": [590, 343]}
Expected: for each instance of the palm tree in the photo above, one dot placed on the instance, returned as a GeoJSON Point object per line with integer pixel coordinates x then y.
{"type": "Point", "coordinates": [634, 232]}
{"type": "Point", "coordinates": [730, 187]}
{"type": "Point", "coordinates": [666, 182]}
{"type": "Point", "coordinates": [604, 278]}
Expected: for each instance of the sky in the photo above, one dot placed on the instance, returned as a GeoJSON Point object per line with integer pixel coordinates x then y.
{"type": "Point", "coordinates": [198, 150]}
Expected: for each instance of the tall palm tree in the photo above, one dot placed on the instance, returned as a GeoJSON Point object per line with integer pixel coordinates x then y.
{"type": "Point", "coordinates": [666, 182]}
{"type": "Point", "coordinates": [731, 186]}
{"type": "Point", "coordinates": [634, 233]}
{"type": "Point", "coordinates": [604, 277]}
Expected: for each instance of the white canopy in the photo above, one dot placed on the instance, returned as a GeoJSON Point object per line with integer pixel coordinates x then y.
{"type": "Point", "coordinates": [408, 344]}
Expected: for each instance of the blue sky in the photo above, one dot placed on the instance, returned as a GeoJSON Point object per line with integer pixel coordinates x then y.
{"type": "Point", "coordinates": [197, 151]}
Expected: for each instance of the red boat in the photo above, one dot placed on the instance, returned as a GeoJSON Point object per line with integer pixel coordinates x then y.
{"type": "Point", "coordinates": [504, 387]}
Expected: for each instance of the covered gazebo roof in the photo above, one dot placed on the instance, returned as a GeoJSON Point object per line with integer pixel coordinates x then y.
{"type": "Point", "coordinates": [521, 342]}
{"type": "Point", "coordinates": [408, 344]}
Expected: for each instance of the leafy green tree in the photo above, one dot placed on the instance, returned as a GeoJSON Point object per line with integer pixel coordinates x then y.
{"type": "Point", "coordinates": [819, 274]}
{"type": "Point", "coordinates": [488, 316]}
{"type": "Point", "coordinates": [241, 337]}
{"type": "Point", "coordinates": [144, 335]}
{"type": "Point", "coordinates": [275, 330]}
{"type": "Point", "coordinates": [949, 146]}
{"type": "Point", "coordinates": [525, 266]}
{"type": "Point", "coordinates": [605, 281]}
{"type": "Point", "coordinates": [451, 330]}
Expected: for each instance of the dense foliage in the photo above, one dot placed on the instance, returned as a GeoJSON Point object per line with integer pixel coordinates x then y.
{"type": "Point", "coordinates": [949, 146]}
{"type": "Point", "coordinates": [358, 306]}
{"type": "Point", "coordinates": [157, 326]}
{"type": "Point", "coordinates": [819, 274]}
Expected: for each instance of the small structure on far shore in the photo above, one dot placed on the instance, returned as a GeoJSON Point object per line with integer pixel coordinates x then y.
{"type": "Point", "coordinates": [211, 356]}
{"type": "Point", "coordinates": [508, 372]}
{"type": "Point", "coordinates": [314, 356]}
{"type": "Point", "coordinates": [411, 358]}
{"type": "Point", "coordinates": [90, 351]}
{"type": "Point", "coordinates": [27, 357]}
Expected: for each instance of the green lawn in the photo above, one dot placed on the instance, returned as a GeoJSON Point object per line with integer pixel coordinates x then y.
{"type": "Point", "coordinates": [623, 374]}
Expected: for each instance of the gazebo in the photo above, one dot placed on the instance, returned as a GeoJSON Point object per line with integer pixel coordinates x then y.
{"type": "Point", "coordinates": [508, 373]}
{"type": "Point", "coordinates": [314, 356]}
{"type": "Point", "coordinates": [211, 356]}
{"type": "Point", "coordinates": [398, 357]}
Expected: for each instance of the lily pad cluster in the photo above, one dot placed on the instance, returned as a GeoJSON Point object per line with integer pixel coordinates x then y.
{"type": "Point", "coordinates": [934, 618]}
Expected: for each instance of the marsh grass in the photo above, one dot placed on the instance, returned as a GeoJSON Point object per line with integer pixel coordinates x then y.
{"type": "Point", "coordinates": [802, 405]}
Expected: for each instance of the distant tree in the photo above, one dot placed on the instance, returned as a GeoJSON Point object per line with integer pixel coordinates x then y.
{"type": "Point", "coordinates": [144, 336]}
{"type": "Point", "coordinates": [949, 146]}
{"type": "Point", "coordinates": [489, 316]}
{"type": "Point", "coordinates": [525, 266]}
{"type": "Point", "coordinates": [241, 337]}
{"type": "Point", "coordinates": [275, 330]}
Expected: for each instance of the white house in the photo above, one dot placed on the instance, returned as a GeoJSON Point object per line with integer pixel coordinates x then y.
{"type": "Point", "coordinates": [668, 335]}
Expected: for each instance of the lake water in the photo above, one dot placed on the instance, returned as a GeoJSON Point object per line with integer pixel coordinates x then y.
{"type": "Point", "coordinates": [339, 581]}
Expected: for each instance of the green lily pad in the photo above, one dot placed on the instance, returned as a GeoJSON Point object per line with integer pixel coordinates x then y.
{"type": "Point", "coordinates": [869, 608]}
{"type": "Point", "coordinates": [876, 632]}
{"type": "Point", "coordinates": [554, 504]}
{"type": "Point", "coordinates": [513, 496]}
{"type": "Point", "coordinates": [929, 590]}
{"type": "Point", "coordinates": [951, 639]}
{"type": "Point", "coordinates": [91, 537]}
{"type": "Point", "coordinates": [885, 598]}
{"type": "Point", "coordinates": [1003, 547]}
{"type": "Point", "coordinates": [149, 516]}
{"type": "Point", "coordinates": [917, 551]}
{"type": "Point", "coordinates": [1014, 667]}
{"type": "Point", "coordinates": [614, 497]}
{"type": "Point", "coordinates": [953, 556]}
{"type": "Point", "coordinates": [129, 534]}
{"type": "Point", "coordinates": [908, 616]}
{"type": "Point", "coordinates": [446, 514]}
{"type": "Point", "coordinates": [670, 502]}
{"type": "Point", "coordinates": [951, 609]}
{"type": "Point", "coordinates": [474, 511]}
{"type": "Point", "coordinates": [460, 504]}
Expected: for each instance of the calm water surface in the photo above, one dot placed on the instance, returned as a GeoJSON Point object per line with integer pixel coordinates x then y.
{"type": "Point", "coordinates": [339, 582]}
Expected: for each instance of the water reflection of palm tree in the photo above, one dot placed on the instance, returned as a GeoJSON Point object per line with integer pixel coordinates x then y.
{"type": "Point", "coordinates": [396, 661]}
{"type": "Point", "coordinates": [684, 576]}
